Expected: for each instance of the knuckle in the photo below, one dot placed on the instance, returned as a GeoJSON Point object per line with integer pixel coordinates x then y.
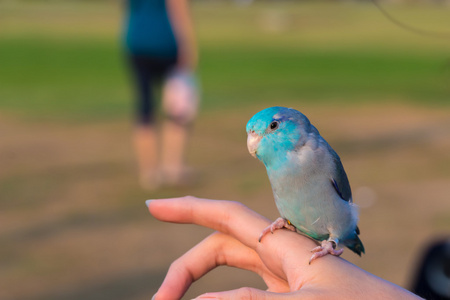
{"type": "Point", "coordinates": [235, 206]}
{"type": "Point", "coordinates": [247, 293]}
{"type": "Point", "coordinates": [175, 265]}
{"type": "Point", "coordinates": [230, 213]}
{"type": "Point", "coordinates": [178, 268]}
{"type": "Point", "coordinates": [189, 197]}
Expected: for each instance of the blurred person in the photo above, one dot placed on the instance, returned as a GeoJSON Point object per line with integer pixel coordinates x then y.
{"type": "Point", "coordinates": [161, 49]}
{"type": "Point", "coordinates": [281, 259]}
{"type": "Point", "coordinates": [432, 279]}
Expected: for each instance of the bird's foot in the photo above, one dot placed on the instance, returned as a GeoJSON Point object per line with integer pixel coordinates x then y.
{"type": "Point", "coordinates": [278, 224]}
{"type": "Point", "coordinates": [327, 247]}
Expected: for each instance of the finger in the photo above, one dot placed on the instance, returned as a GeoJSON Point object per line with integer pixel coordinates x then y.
{"type": "Point", "coordinates": [279, 252]}
{"type": "Point", "coordinates": [217, 249]}
{"type": "Point", "coordinates": [245, 293]}
{"type": "Point", "coordinates": [228, 217]}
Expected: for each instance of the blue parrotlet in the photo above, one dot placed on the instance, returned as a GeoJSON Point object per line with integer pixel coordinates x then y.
{"type": "Point", "coordinates": [310, 187]}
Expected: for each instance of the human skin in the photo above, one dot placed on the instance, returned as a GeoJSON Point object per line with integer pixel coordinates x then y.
{"type": "Point", "coordinates": [183, 27]}
{"type": "Point", "coordinates": [281, 259]}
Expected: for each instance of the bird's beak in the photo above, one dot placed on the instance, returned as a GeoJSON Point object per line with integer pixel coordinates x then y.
{"type": "Point", "coordinates": [253, 140]}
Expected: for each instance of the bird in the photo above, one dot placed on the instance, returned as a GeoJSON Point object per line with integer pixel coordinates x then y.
{"type": "Point", "coordinates": [310, 187]}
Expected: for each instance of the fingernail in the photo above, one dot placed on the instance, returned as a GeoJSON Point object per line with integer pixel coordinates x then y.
{"type": "Point", "coordinates": [148, 203]}
{"type": "Point", "coordinates": [153, 298]}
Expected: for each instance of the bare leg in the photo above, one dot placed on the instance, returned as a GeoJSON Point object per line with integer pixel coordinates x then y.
{"type": "Point", "coordinates": [327, 247]}
{"type": "Point", "coordinates": [278, 224]}
{"type": "Point", "coordinates": [174, 139]}
{"type": "Point", "coordinates": [145, 144]}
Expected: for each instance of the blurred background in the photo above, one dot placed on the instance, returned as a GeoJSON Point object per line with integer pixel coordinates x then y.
{"type": "Point", "coordinates": [73, 220]}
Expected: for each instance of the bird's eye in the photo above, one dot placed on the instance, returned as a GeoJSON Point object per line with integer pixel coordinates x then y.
{"type": "Point", "coordinates": [273, 125]}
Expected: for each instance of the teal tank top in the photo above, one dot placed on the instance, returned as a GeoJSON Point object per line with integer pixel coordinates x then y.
{"type": "Point", "coordinates": [148, 30]}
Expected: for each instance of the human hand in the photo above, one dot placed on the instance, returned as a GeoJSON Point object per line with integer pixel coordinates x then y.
{"type": "Point", "coordinates": [280, 259]}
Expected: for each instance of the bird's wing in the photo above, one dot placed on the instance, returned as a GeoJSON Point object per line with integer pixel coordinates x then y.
{"type": "Point", "coordinates": [340, 181]}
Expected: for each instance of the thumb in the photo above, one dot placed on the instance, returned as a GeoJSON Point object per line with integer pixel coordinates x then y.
{"type": "Point", "coordinates": [243, 293]}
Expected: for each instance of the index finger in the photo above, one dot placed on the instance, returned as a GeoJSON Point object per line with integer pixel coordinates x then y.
{"type": "Point", "coordinates": [285, 253]}
{"type": "Point", "coordinates": [229, 217]}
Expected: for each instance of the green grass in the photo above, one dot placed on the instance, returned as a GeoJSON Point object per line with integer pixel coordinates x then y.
{"type": "Point", "coordinates": [70, 64]}
{"type": "Point", "coordinates": [322, 76]}
{"type": "Point", "coordinates": [75, 79]}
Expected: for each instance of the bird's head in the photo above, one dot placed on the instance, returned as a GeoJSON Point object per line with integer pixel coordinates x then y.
{"type": "Point", "coordinates": [275, 131]}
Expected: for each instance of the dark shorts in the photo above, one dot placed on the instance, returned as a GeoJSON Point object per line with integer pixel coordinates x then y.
{"type": "Point", "coordinates": [148, 72]}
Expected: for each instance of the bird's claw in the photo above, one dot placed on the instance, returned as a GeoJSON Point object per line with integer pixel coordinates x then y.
{"type": "Point", "coordinates": [278, 224]}
{"type": "Point", "coordinates": [327, 247]}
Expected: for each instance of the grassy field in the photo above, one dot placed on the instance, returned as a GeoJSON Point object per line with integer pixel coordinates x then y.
{"type": "Point", "coordinates": [74, 223]}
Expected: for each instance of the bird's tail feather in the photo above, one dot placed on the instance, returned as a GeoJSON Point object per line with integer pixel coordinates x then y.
{"type": "Point", "coordinates": [355, 245]}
